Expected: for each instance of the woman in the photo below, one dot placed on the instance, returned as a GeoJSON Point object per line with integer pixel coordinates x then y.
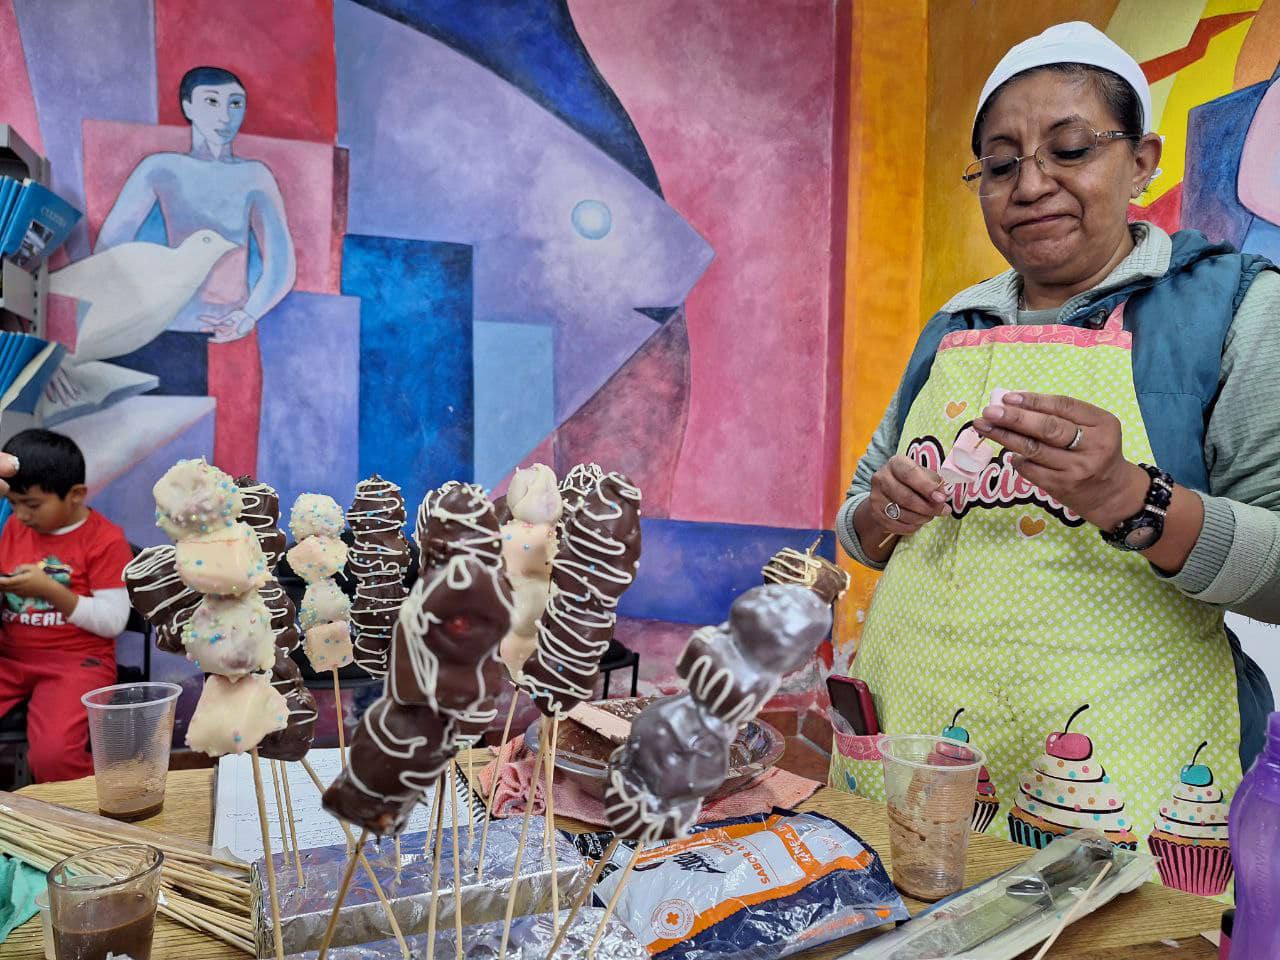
{"type": "Point", "coordinates": [1133, 490]}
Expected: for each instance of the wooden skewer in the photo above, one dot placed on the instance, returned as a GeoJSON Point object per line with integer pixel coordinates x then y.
{"type": "Point", "coordinates": [342, 890]}
{"type": "Point", "coordinates": [398, 858]}
{"type": "Point", "coordinates": [549, 816]}
{"type": "Point", "coordinates": [270, 860]}
{"type": "Point", "coordinates": [471, 789]}
{"type": "Point", "coordinates": [437, 809]}
{"type": "Point", "coordinates": [493, 787]}
{"type": "Point", "coordinates": [293, 825]}
{"type": "Point", "coordinates": [284, 828]}
{"type": "Point", "coordinates": [613, 901]}
{"type": "Point", "coordinates": [230, 927]}
{"type": "Point", "coordinates": [212, 929]}
{"type": "Point", "coordinates": [436, 799]}
{"type": "Point", "coordinates": [337, 706]}
{"type": "Point", "coordinates": [1071, 914]}
{"type": "Point", "coordinates": [524, 839]}
{"type": "Point", "coordinates": [63, 838]}
{"type": "Point", "coordinates": [158, 841]}
{"type": "Point", "coordinates": [886, 541]}
{"type": "Point", "coordinates": [457, 863]}
{"type": "Point", "coordinates": [584, 895]}
{"type": "Point", "coordinates": [364, 862]}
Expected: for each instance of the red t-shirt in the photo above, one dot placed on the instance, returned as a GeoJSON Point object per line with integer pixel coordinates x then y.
{"type": "Point", "coordinates": [91, 557]}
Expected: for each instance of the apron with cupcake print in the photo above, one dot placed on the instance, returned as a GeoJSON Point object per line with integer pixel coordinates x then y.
{"type": "Point", "coordinates": [1102, 696]}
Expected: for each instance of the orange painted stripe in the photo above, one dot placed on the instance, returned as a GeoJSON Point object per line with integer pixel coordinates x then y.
{"type": "Point", "coordinates": [1170, 63]}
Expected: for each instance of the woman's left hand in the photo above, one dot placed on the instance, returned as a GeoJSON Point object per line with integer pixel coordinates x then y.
{"type": "Point", "coordinates": [1072, 451]}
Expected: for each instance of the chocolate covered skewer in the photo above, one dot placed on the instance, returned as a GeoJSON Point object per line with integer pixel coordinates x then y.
{"type": "Point", "coordinates": [678, 749]}
{"type": "Point", "coordinates": [379, 557]}
{"type": "Point", "coordinates": [596, 562]}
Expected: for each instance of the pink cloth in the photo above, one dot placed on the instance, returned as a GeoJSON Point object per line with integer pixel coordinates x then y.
{"type": "Point", "coordinates": [776, 789]}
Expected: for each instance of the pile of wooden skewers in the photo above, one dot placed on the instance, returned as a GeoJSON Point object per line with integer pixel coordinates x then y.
{"type": "Point", "coordinates": [194, 895]}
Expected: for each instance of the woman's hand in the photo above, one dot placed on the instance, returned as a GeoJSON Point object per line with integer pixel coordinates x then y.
{"type": "Point", "coordinates": [1072, 451]}
{"type": "Point", "coordinates": [904, 497]}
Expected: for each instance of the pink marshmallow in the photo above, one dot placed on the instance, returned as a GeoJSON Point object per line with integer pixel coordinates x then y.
{"type": "Point", "coordinates": [968, 456]}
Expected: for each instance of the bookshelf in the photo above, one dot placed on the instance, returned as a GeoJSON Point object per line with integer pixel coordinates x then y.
{"type": "Point", "coordinates": [22, 293]}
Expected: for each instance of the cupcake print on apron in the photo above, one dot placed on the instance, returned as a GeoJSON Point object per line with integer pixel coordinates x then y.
{"type": "Point", "coordinates": [985, 802]}
{"type": "Point", "coordinates": [1191, 833]}
{"type": "Point", "coordinates": [1068, 789]}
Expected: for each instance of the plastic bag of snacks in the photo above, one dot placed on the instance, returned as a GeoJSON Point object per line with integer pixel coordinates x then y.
{"type": "Point", "coordinates": [753, 888]}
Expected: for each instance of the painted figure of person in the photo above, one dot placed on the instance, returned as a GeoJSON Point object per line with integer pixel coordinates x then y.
{"type": "Point", "coordinates": [211, 345]}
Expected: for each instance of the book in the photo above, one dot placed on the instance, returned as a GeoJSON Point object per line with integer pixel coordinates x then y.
{"type": "Point", "coordinates": [9, 188]}
{"type": "Point", "coordinates": [26, 365]}
{"type": "Point", "coordinates": [38, 224]}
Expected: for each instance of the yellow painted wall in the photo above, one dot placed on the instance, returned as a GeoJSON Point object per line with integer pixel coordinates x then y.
{"type": "Point", "coordinates": [887, 108]}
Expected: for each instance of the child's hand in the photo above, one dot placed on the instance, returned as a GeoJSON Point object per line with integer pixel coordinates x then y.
{"type": "Point", "coordinates": [30, 580]}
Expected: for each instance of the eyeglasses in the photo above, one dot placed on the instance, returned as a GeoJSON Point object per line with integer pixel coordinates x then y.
{"type": "Point", "coordinates": [1068, 148]}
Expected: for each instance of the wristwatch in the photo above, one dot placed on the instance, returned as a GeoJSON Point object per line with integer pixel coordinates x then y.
{"type": "Point", "coordinates": [1144, 529]}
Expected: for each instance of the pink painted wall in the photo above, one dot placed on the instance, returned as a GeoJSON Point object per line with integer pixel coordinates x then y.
{"type": "Point", "coordinates": [712, 87]}
{"type": "Point", "coordinates": [19, 104]}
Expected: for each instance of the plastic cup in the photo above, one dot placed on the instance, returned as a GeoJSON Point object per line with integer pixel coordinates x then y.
{"type": "Point", "coordinates": [46, 923]}
{"type": "Point", "coordinates": [103, 901]}
{"type": "Point", "coordinates": [131, 731]}
{"type": "Point", "coordinates": [929, 784]}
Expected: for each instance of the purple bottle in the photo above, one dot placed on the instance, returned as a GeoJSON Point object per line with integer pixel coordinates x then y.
{"type": "Point", "coordinates": [1255, 852]}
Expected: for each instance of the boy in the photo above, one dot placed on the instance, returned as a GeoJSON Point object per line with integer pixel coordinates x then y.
{"type": "Point", "coordinates": [64, 601]}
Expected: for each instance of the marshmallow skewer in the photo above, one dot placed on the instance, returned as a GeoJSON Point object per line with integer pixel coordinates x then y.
{"type": "Point", "coordinates": [227, 632]}
{"type": "Point", "coordinates": [596, 562]}
{"type": "Point", "coordinates": [657, 779]}
{"type": "Point", "coordinates": [379, 557]}
{"type": "Point", "coordinates": [262, 514]}
{"type": "Point", "coordinates": [968, 457]}
{"type": "Point", "coordinates": [318, 554]}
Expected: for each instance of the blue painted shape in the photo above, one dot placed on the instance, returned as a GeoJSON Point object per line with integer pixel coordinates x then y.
{"type": "Point", "coordinates": [691, 572]}
{"type": "Point", "coordinates": [534, 46]}
{"type": "Point", "coordinates": [86, 63]}
{"type": "Point", "coordinates": [514, 395]}
{"type": "Point", "coordinates": [1216, 132]}
{"type": "Point", "coordinates": [416, 381]}
{"type": "Point", "coordinates": [310, 426]}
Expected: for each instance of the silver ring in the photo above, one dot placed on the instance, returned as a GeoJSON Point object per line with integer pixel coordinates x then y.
{"type": "Point", "coordinates": [892, 511]}
{"type": "Point", "coordinates": [1075, 441]}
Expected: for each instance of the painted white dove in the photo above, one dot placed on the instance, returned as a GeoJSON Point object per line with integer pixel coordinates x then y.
{"type": "Point", "coordinates": [133, 291]}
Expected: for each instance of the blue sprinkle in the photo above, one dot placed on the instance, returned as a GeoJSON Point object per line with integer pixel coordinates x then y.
{"type": "Point", "coordinates": [1097, 816]}
{"type": "Point", "coordinates": [1072, 775]}
{"type": "Point", "coordinates": [1039, 794]}
{"type": "Point", "coordinates": [236, 738]}
{"type": "Point", "coordinates": [1120, 822]}
{"type": "Point", "coordinates": [1106, 779]}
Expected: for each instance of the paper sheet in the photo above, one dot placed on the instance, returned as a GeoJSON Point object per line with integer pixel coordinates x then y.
{"type": "Point", "coordinates": [235, 811]}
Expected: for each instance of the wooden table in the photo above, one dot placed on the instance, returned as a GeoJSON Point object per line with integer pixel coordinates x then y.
{"type": "Point", "coordinates": [1152, 923]}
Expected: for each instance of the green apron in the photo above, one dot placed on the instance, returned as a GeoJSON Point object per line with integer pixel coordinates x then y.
{"type": "Point", "coordinates": [1016, 611]}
